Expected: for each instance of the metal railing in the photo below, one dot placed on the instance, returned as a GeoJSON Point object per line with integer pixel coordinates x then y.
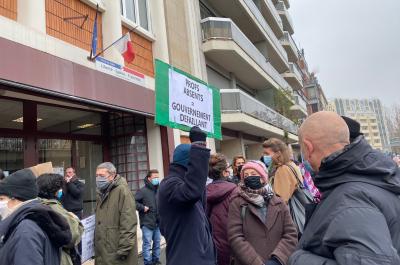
{"type": "Point", "coordinates": [295, 69]}
{"type": "Point", "coordinates": [280, 6]}
{"type": "Point", "coordinates": [226, 29]}
{"type": "Point", "coordinates": [256, 12]}
{"type": "Point", "coordinates": [235, 100]}
{"type": "Point", "coordinates": [271, 7]}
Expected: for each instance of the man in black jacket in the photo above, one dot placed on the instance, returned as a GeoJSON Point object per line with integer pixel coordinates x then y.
{"type": "Point", "coordinates": [73, 189]}
{"type": "Point", "coordinates": [146, 204]}
{"type": "Point", "coordinates": [357, 221]}
{"type": "Point", "coordinates": [30, 232]}
{"type": "Point", "coordinates": [181, 201]}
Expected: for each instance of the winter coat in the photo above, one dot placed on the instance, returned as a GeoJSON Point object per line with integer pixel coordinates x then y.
{"type": "Point", "coordinates": [357, 221]}
{"type": "Point", "coordinates": [116, 221]}
{"type": "Point", "coordinates": [33, 235]}
{"type": "Point", "coordinates": [183, 221]}
{"type": "Point", "coordinates": [72, 198]}
{"type": "Point", "coordinates": [219, 195]}
{"type": "Point", "coordinates": [147, 196]}
{"type": "Point", "coordinates": [254, 241]}
{"type": "Point", "coordinates": [75, 227]}
{"type": "Point", "coordinates": [285, 182]}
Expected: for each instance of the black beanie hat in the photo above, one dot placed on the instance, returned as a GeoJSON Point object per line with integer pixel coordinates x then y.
{"type": "Point", "coordinates": [354, 127]}
{"type": "Point", "coordinates": [20, 185]}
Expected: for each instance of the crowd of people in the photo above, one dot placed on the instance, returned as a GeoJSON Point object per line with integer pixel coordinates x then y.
{"type": "Point", "coordinates": [338, 205]}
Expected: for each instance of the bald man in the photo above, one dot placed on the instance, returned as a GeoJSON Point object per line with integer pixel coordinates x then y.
{"type": "Point", "coordinates": [358, 219]}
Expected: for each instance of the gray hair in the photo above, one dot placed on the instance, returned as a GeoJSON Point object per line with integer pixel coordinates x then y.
{"type": "Point", "coordinates": [109, 166]}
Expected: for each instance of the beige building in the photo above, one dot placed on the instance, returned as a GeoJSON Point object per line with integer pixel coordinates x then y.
{"type": "Point", "coordinates": [369, 127]}
{"type": "Point", "coordinates": [331, 106]}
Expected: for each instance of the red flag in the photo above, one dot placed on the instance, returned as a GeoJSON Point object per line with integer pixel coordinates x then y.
{"type": "Point", "coordinates": [125, 47]}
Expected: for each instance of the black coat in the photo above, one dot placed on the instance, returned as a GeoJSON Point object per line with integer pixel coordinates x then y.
{"type": "Point", "coordinates": [183, 221]}
{"type": "Point", "coordinates": [357, 221]}
{"type": "Point", "coordinates": [33, 235]}
{"type": "Point", "coordinates": [72, 199]}
{"type": "Point", "coordinates": [147, 196]}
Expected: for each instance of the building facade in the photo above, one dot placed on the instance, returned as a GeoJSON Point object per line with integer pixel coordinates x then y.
{"type": "Point", "coordinates": [367, 107]}
{"type": "Point", "coordinates": [244, 48]}
{"type": "Point", "coordinates": [58, 106]}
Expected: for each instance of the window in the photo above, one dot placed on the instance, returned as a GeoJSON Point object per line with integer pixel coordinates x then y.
{"type": "Point", "coordinates": [136, 11]}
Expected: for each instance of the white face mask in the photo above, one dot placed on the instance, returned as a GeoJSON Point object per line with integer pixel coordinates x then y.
{"type": "Point", "coordinates": [4, 210]}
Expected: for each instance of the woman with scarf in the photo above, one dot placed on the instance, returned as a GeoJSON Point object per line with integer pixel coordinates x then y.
{"type": "Point", "coordinates": [260, 229]}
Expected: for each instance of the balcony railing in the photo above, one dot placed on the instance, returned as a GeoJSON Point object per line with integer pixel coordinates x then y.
{"type": "Point", "coordinates": [280, 6]}
{"type": "Point", "coordinates": [235, 100]}
{"type": "Point", "coordinates": [226, 29]}
{"type": "Point", "coordinates": [295, 69]}
{"type": "Point", "coordinates": [287, 37]}
{"type": "Point", "coordinates": [300, 101]}
{"type": "Point", "coordinates": [256, 12]}
{"type": "Point", "coordinates": [272, 8]}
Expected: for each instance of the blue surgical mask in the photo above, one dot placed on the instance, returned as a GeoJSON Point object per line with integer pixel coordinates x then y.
{"type": "Point", "coordinates": [155, 182]}
{"type": "Point", "coordinates": [59, 194]}
{"type": "Point", "coordinates": [267, 160]}
{"type": "Point", "coordinates": [308, 167]}
{"type": "Point", "coordinates": [102, 183]}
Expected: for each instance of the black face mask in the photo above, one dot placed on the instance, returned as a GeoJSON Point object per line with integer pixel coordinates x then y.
{"type": "Point", "coordinates": [239, 169]}
{"type": "Point", "coordinates": [253, 182]}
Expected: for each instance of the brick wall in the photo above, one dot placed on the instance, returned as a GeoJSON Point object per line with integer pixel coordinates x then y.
{"type": "Point", "coordinates": [8, 8]}
{"type": "Point", "coordinates": [70, 31]}
{"type": "Point", "coordinates": [144, 54]}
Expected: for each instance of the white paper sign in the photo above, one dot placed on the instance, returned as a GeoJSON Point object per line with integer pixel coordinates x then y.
{"type": "Point", "coordinates": [190, 102]}
{"type": "Point", "coordinates": [89, 224]}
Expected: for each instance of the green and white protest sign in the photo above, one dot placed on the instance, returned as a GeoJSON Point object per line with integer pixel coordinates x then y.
{"type": "Point", "coordinates": [184, 101]}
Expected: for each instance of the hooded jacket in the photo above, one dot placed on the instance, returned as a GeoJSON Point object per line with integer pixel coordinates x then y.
{"type": "Point", "coordinates": [219, 195]}
{"type": "Point", "coordinates": [357, 221]}
{"type": "Point", "coordinates": [116, 221]}
{"type": "Point", "coordinates": [33, 235]}
{"type": "Point", "coordinates": [146, 196]}
{"type": "Point", "coordinates": [183, 221]}
{"type": "Point", "coordinates": [75, 227]}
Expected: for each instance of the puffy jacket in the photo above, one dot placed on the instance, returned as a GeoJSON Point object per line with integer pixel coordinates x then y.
{"type": "Point", "coordinates": [219, 195]}
{"type": "Point", "coordinates": [183, 221]}
{"type": "Point", "coordinates": [116, 221]}
{"type": "Point", "coordinates": [357, 221]}
{"type": "Point", "coordinates": [34, 235]}
{"type": "Point", "coordinates": [75, 227]}
{"type": "Point", "coordinates": [147, 196]}
{"type": "Point", "coordinates": [72, 199]}
{"type": "Point", "coordinates": [254, 241]}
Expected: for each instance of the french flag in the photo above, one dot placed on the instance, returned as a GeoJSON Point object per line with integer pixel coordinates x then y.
{"type": "Point", "coordinates": [125, 47]}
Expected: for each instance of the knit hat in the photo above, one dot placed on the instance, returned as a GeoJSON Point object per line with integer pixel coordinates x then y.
{"type": "Point", "coordinates": [257, 166]}
{"type": "Point", "coordinates": [354, 127]}
{"type": "Point", "coordinates": [181, 155]}
{"type": "Point", "coordinates": [20, 185]}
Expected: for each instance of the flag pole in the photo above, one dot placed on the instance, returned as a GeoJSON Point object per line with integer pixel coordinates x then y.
{"type": "Point", "coordinates": [94, 36]}
{"type": "Point", "coordinates": [109, 46]}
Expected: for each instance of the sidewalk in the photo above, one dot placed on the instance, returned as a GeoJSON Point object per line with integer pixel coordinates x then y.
{"type": "Point", "coordinates": [163, 260]}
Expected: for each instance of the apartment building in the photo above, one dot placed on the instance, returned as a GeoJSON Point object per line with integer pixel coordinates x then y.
{"type": "Point", "coordinates": [58, 106]}
{"type": "Point", "coordinates": [244, 48]}
{"type": "Point", "coordinates": [367, 107]}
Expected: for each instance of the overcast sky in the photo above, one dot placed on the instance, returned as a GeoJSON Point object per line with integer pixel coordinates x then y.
{"type": "Point", "coordinates": [353, 45]}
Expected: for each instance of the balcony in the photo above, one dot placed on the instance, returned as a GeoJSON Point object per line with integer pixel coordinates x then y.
{"type": "Point", "coordinates": [248, 17]}
{"type": "Point", "coordinates": [285, 16]}
{"type": "Point", "coordinates": [271, 15]}
{"type": "Point", "coordinates": [290, 47]}
{"type": "Point", "coordinates": [299, 109]}
{"type": "Point", "coordinates": [242, 112]}
{"type": "Point", "coordinates": [294, 77]}
{"type": "Point", "coordinates": [226, 45]}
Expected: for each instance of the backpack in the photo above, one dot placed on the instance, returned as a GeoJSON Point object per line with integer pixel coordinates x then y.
{"type": "Point", "coordinates": [297, 204]}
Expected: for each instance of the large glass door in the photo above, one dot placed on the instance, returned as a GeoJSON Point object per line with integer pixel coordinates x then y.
{"type": "Point", "coordinates": [88, 155]}
{"type": "Point", "coordinates": [11, 154]}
